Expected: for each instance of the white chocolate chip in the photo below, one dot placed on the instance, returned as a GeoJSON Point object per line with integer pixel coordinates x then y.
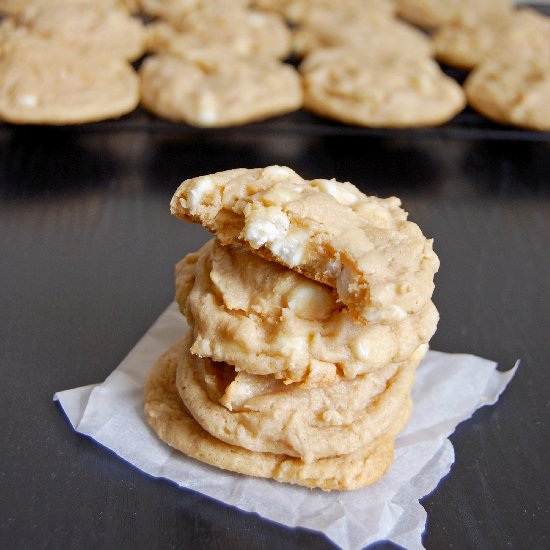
{"type": "Point", "coordinates": [291, 248]}
{"type": "Point", "coordinates": [28, 100]}
{"type": "Point", "coordinates": [311, 302]}
{"type": "Point", "coordinates": [200, 189]}
{"type": "Point", "coordinates": [377, 315]}
{"type": "Point", "coordinates": [375, 213]}
{"type": "Point", "coordinates": [265, 225]}
{"type": "Point", "coordinates": [360, 349]}
{"type": "Point", "coordinates": [256, 19]}
{"type": "Point", "coordinates": [336, 190]}
{"type": "Point", "coordinates": [279, 194]}
{"type": "Point", "coordinates": [291, 345]}
{"type": "Point", "coordinates": [275, 172]}
{"type": "Point", "coordinates": [243, 45]}
{"type": "Point", "coordinates": [207, 109]}
{"type": "Point", "coordinates": [207, 117]}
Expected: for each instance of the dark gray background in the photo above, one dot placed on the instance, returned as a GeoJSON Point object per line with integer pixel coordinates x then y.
{"type": "Point", "coordinates": [87, 250]}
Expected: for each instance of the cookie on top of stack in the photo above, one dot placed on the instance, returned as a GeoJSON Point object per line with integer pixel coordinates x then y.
{"type": "Point", "coordinates": [308, 312]}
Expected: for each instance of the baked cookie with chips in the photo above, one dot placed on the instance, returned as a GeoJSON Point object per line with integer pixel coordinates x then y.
{"type": "Point", "coordinates": [365, 89]}
{"type": "Point", "coordinates": [44, 82]}
{"type": "Point", "coordinates": [512, 89]}
{"type": "Point", "coordinates": [264, 319]}
{"type": "Point", "coordinates": [212, 89]}
{"type": "Point", "coordinates": [380, 265]}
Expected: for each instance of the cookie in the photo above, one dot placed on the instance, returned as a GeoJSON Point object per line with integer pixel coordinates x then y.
{"type": "Point", "coordinates": [260, 413]}
{"type": "Point", "coordinates": [172, 422]}
{"type": "Point", "coordinates": [512, 89]}
{"type": "Point", "coordinates": [214, 90]}
{"type": "Point", "coordinates": [46, 83]}
{"type": "Point", "coordinates": [393, 91]}
{"type": "Point", "coordinates": [432, 13]}
{"type": "Point", "coordinates": [90, 27]}
{"type": "Point", "coordinates": [242, 32]}
{"type": "Point", "coordinates": [369, 31]}
{"type": "Point", "coordinates": [380, 264]}
{"type": "Point", "coordinates": [265, 319]}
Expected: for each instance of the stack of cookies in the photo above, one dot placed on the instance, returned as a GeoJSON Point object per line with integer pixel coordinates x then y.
{"type": "Point", "coordinates": [309, 313]}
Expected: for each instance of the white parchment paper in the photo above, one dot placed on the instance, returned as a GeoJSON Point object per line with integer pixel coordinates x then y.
{"type": "Point", "coordinates": [448, 390]}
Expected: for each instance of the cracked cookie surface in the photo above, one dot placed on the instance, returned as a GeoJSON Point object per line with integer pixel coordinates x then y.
{"type": "Point", "coordinates": [265, 319]}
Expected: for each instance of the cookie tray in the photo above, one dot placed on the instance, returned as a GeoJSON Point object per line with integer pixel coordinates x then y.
{"type": "Point", "coordinates": [467, 125]}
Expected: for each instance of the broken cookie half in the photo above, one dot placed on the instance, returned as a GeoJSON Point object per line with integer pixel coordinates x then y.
{"type": "Point", "coordinates": [380, 264]}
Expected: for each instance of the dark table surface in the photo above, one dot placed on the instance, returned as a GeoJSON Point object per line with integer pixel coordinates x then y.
{"type": "Point", "coordinates": [87, 254]}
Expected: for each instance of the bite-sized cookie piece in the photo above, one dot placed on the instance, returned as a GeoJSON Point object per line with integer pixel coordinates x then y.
{"type": "Point", "coordinates": [176, 10]}
{"type": "Point", "coordinates": [266, 319]}
{"type": "Point", "coordinates": [47, 83]}
{"type": "Point", "coordinates": [381, 265]}
{"type": "Point", "coordinates": [91, 28]}
{"type": "Point", "coordinates": [513, 89]}
{"type": "Point", "coordinates": [371, 32]}
{"type": "Point", "coordinates": [432, 13]}
{"type": "Point", "coordinates": [296, 11]}
{"type": "Point", "coordinates": [260, 413]}
{"type": "Point", "coordinates": [172, 422]}
{"type": "Point", "coordinates": [371, 90]}
{"type": "Point", "coordinates": [211, 89]}
{"type": "Point", "coordinates": [242, 32]}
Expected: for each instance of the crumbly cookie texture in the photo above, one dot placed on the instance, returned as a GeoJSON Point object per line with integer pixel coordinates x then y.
{"type": "Point", "coordinates": [262, 414]}
{"type": "Point", "coordinates": [214, 90]}
{"type": "Point", "coordinates": [432, 13]}
{"type": "Point", "coordinates": [398, 91]}
{"type": "Point", "coordinates": [367, 31]}
{"type": "Point", "coordinates": [265, 319]}
{"type": "Point", "coordinates": [168, 416]}
{"type": "Point", "coordinates": [47, 83]}
{"type": "Point", "coordinates": [512, 90]}
{"type": "Point", "coordinates": [245, 33]}
{"type": "Point", "coordinates": [95, 28]}
{"type": "Point", "coordinates": [380, 264]}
